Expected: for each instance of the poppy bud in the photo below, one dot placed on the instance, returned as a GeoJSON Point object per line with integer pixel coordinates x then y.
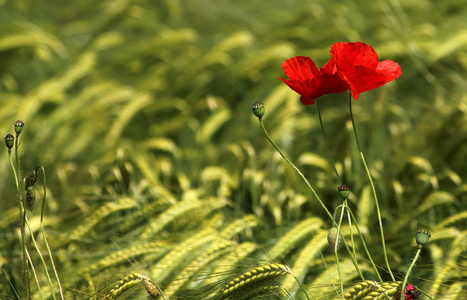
{"type": "Point", "coordinates": [344, 191]}
{"type": "Point", "coordinates": [31, 198]}
{"type": "Point", "coordinates": [422, 237]}
{"type": "Point", "coordinates": [30, 179]}
{"type": "Point", "coordinates": [258, 109]}
{"type": "Point", "coordinates": [19, 127]}
{"type": "Point", "coordinates": [332, 238]}
{"type": "Point", "coordinates": [9, 141]}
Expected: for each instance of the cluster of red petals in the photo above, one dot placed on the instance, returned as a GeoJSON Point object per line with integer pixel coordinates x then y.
{"type": "Point", "coordinates": [311, 83]}
{"type": "Point", "coordinates": [353, 66]}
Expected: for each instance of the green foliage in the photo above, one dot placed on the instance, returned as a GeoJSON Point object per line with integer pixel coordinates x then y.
{"type": "Point", "coordinates": [140, 112]}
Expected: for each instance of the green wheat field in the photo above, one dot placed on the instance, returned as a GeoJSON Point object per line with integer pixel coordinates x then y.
{"type": "Point", "coordinates": [160, 182]}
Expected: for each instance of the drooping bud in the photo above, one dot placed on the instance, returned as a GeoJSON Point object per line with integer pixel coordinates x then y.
{"type": "Point", "coordinates": [332, 238]}
{"type": "Point", "coordinates": [9, 141]}
{"type": "Point", "coordinates": [19, 127]}
{"type": "Point", "coordinates": [422, 237]}
{"type": "Point", "coordinates": [344, 191]}
{"type": "Point", "coordinates": [30, 179]}
{"type": "Point", "coordinates": [258, 109]}
{"type": "Point", "coordinates": [31, 198]}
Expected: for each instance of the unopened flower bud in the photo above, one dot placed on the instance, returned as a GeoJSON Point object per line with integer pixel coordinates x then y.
{"type": "Point", "coordinates": [9, 141]}
{"type": "Point", "coordinates": [31, 198]}
{"type": "Point", "coordinates": [333, 238]}
{"type": "Point", "coordinates": [258, 109]}
{"type": "Point", "coordinates": [30, 179]}
{"type": "Point", "coordinates": [19, 127]}
{"type": "Point", "coordinates": [344, 191]}
{"type": "Point", "coordinates": [422, 237]}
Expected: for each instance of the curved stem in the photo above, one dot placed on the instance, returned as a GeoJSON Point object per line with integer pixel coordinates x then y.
{"type": "Point", "coordinates": [372, 188]}
{"type": "Point", "coordinates": [296, 170]}
{"type": "Point", "coordinates": [315, 194]}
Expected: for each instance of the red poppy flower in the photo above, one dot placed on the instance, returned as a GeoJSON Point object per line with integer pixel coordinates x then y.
{"type": "Point", "coordinates": [309, 82]}
{"type": "Point", "coordinates": [357, 64]}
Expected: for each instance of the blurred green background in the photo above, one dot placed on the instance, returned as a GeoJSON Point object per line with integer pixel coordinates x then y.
{"type": "Point", "coordinates": [140, 112]}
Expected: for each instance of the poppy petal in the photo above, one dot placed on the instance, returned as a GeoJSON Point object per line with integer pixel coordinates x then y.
{"type": "Point", "coordinates": [357, 53]}
{"type": "Point", "coordinates": [296, 85]}
{"type": "Point", "coordinates": [357, 64]}
{"type": "Point", "coordinates": [300, 68]}
{"type": "Point", "coordinates": [390, 68]}
{"type": "Point", "coordinates": [307, 100]}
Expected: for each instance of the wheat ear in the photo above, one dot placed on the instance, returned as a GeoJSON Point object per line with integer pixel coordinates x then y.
{"type": "Point", "coordinates": [371, 290]}
{"type": "Point", "coordinates": [118, 257]}
{"type": "Point", "coordinates": [251, 279]}
{"type": "Point", "coordinates": [125, 284]}
{"type": "Point", "coordinates": [258, 289]}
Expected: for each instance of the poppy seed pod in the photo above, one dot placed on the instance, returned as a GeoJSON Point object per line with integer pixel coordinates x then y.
{"type": "Point", "coordinates": [258, 109]}
{"type": "Point", "coordinates": [9, 141]}
{"type": "Point", "coordinates": [344, 191]}
{"type": "Point", "coordinates": [422, 237]}
{"type": "Point", "coordinates": [19, 127]}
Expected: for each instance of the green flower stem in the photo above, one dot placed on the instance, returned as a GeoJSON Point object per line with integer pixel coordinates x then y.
{"type": "Point", "coordinates": [406, 278]}
{"type": "Point", "coordinates": [45, 239]}
{"type": "Point", "coordinates": [352, 242]}
{"type": "Point", "coordinates": [314, 193]}
{"type": "Point", "coordinates": [364, 244]}
{"type": "Point", "coordinates": [340, 181]}
{"type": "Point", "coordinates": [296, 170]}
{"type": "Point", "coordinates": [14, 170]}
{"type": "Point", "coordinates": [35, 274]}
{"type": "Point", "coordinates": [22, 216]}
{"type": "Point", "coordinates": [336, 245]}
{"type": "Point", "coordinates": [372, 188]}
{"type": "Point", "coordinates": [326, 142]}
{"type": "Point", "coordinates": [41, 257]}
